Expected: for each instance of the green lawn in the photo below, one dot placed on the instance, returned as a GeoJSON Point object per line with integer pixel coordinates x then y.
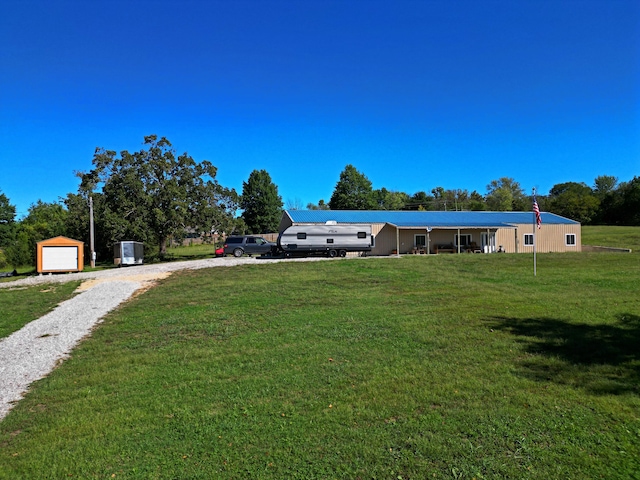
{"type": "Point", "coordinates": [20, 305]}
{"type": "Point", "coordinates": [605, 236]}
{"type": "Point", "coordinates": [450, 366]}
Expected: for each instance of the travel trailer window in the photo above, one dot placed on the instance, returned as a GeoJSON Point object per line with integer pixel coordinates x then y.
{"type": "Point", "coordinates": [570, 239]}
{"type": "Point", "coordinates": [329, 240]}
{"type": "Point", "coordinates": [302, 236]}
{"type": "Point", "coordinates": [362, 234]}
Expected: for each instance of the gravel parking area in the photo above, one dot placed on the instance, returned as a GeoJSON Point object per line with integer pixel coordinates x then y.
{"type": "Point", "coordinates": [35, 350]}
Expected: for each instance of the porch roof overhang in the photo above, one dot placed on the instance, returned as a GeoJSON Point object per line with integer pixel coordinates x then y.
{"type": "Point", "coordinates": [450, 227]}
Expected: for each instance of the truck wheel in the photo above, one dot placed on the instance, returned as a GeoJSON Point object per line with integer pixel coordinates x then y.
{"type": "Point", "coordinates": [343, 253]}
{"type": "Point", "coordinates": [237, 252]}
{"type": "Point", "coordinates": [332, 253]}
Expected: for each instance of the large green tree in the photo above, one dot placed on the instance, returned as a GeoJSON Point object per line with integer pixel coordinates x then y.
{"type": "Point", "coordinates": [153, 194]}
{"type": "Point", "coordinates": [44, 220]}
{"type": "Point", "coordinates": [439, 202]}
{"type": "Point", "coordinates": [260, 202]}
{"type": "Point", "coordinates": [622, 205]}
{"type": "Point", "coordinates": [353, 191]}
{"type": "Point", "coordinates": [420, 201]}
{"type": "Point", "coordinates": [7, 220]}
{"type": "Point", "coordinates": [604, 184]}
{"type": "Point", "coordinates": [476, 202]}
{"type": "Point", "coordinates": [573, 200]}
{"type": "Point", "coordinates": [47, 220]}
{"type": "Point", "coordinates": [390, 200]}
{"type": "Point", "coordinates": [506, 195]}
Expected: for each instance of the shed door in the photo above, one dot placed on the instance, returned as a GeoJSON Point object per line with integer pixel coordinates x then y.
{"type": "Point", "coordinates": [59, 258]}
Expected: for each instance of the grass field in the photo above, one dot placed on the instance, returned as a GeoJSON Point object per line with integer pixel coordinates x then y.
{"type": "Point", "coordinates": [605, 236]}
{"type": "Point", "coordinates": [451, 366]}
{"type": "Point", "coordinates": [20, 305]}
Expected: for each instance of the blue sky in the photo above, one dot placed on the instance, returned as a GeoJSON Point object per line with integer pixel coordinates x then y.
{"type": "Point", "coordinates": [414, 94]}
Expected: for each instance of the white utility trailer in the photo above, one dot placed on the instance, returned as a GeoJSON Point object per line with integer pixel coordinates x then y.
{"type": "Point", "coordinates": [128, 253]}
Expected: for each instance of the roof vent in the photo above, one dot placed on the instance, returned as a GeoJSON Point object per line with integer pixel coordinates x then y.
{"type": "Point", "coordinates": [331, 222]}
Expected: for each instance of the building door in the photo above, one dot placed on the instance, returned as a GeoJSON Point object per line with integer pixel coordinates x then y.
{"type": "Point", "coordinates": [488, 242]}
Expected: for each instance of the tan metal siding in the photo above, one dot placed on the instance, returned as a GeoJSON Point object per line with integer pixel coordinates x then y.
{"type": "Point", "coordinates": [385, 239]}
{"type": "Point", "coordinates": [506, 238]}
{"type": "Point", "coordinates": [550, 238]}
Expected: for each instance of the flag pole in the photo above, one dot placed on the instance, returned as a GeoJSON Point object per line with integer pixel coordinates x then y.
{"type": "Point", "coordinates": [535, 239]}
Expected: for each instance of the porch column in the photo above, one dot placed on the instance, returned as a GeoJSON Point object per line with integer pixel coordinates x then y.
{"type": "Point", "coordinates": [398, 241]}
{"type": "Point", "coordinates": [458, 240]}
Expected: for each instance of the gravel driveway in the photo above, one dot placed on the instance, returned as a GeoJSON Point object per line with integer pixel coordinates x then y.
{"type": "Point", "coordinates": [33, 351]}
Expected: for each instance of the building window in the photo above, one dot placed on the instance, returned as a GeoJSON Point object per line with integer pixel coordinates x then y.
{"type": "Point", "coordinates": [420, 240]}
{"type": "Point", "coordinates": [302, 236]}
{"type": "Point", "coordinates": [528, 239]}
{"type": "Point", "coordinates": [463, 240]}
{"type": "Point", "coordinates": [570, 239]}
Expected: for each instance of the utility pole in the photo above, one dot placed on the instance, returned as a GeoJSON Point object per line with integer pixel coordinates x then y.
{"type": "Point", "coordinates": [93, 253]}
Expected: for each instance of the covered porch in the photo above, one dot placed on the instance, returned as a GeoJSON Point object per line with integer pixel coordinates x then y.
{"type": "Point", "coordinates": [439, 240]}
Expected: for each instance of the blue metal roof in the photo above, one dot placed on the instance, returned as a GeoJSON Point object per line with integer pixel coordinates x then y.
{"type": "Point", "coordinates": [425, 218]}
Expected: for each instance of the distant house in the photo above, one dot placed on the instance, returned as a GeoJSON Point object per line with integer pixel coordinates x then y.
{"type": "Point", "coordinates": [451, 232]}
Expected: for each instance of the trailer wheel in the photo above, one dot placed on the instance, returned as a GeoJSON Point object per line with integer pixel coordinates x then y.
{"type": "Point", "coordinates": [237, 252]}
{"type": "Point", "coordinates": [332, 253]}
{"type": "Point", "coordinates": [343, 253]}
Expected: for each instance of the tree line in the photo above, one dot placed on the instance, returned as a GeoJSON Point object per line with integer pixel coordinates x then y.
{"type": "Point", "coordinates": [606, 202]}
{"type": "Point", "coordinates": [155, 195]}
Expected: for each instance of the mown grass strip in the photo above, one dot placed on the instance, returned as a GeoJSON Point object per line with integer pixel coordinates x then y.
{"type": "Point", "coordinates": [21, 305]}
{"type": "Point", "coordinates": [608, 236]}
{"type": "Point", "coordinates": [421, 367]}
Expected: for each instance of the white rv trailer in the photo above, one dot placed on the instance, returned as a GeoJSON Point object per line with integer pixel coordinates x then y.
{"type": "Point", "coordinates": [330, 240]}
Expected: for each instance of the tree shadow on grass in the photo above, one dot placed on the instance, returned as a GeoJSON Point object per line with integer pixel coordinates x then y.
{"type": "Point", "coordinates": [604, 359]}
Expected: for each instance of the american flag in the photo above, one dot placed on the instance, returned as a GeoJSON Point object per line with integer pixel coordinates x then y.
{"type": "Point", "coordinates": [536, 210]}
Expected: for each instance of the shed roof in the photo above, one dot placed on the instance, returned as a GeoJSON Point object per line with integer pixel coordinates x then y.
{"type": "Point", "coordinates": [434, 219]}
{"type": "Point", "coordinates": [59, 240]}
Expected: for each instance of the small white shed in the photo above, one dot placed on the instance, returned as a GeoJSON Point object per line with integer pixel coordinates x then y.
{"type": "Point", "coordinates": [59, 254]}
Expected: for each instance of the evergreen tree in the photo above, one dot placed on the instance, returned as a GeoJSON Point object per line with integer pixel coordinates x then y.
{"type": "Point", "coordinates": [353, 191]}
{"type": "Point", "coordinates": [260, 202]}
